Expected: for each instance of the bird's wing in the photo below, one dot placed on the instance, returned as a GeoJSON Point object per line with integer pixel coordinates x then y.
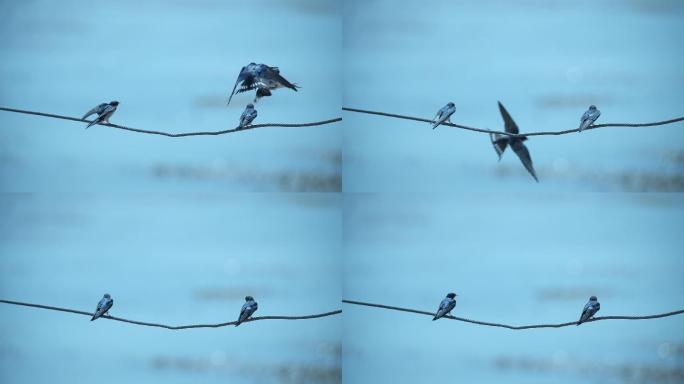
{"type": "Point", "coordinates": [594, 116]}
{"type": "Point", "coordinates": [499, 142]}
{"type": "Point", "coordinates": [521, 150]}
{"type": "Point", "coordinates": [450, 306]}
{"type": "Point", "coordinates": [243, 116]}
{"type": "Point", "coordinates": [245, 74]}
{"type": "Point", "coordinates": [444, 307]}
{"type": "Point", "coordinates": [444, 303]}
{"type": "Point", "coordinates": [437, 116]}
{"type": "Point", "coordinates": [97, 109]}
{"type": "Point", "coordinates": [584, 124]}
{"type": "Point", "coordinates": [585, 116]}
{"type": "Point", "coordinates": [585, 121]}
{"type": "Point", "coordinates": [250, 84]}
{"type": "Point", "coordinates": [109, 305]}
{"type": "Point", "coordinates": [103, 114]}
{"type": "Point", "coordinates": [108, 109]}
{"type": "Point", "coordinates": [583, 315]}
{"type": "Point", "coordinates": [442, 118]}
{"type": "Point", "coordinates": [247, 310]}
{"type": "Point", "coordinates": [509, 124]}
{"type": "Point", "coordinates": [242, 316]}
{"type": "Point", "coordinates": [273, 73]}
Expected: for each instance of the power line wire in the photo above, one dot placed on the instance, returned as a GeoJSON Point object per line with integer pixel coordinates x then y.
{"type": "Point", "coordinates": [167, 134]}
{"type": "Point", "coordinates": [331, 313]}
{"type": "Point", "coordinates": [657, 316]}
{"type": "Point", "coordinates": [543, 133]}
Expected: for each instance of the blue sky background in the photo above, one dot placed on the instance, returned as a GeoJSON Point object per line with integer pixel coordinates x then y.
{"type": "Point", "coordinates": [172, 66]}
{"type": "Point", "coordinates": [376, 209]}
{"type": "Point", "coordinates": [524, 258]}
{"type": "Point", "coordinates": [546, 61]}
{"type": "Point", "coordinates": [168, 226]}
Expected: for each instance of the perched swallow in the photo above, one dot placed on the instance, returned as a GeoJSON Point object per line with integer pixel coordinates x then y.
{"type": "Point", "coordinates": [590, 310]}
{"type": "Point", "coordinates": [247, 310]}
{"type": "Point", "coordinates": [589, 117]}
{"type": "Point", "coordinates": [262, 78]}
{"type": "Point", "coordinates": [248, 116]}
{"type": "Point", "coordinates": [103, 306]}
{"type": "Point", "coordinates": [104, 112]}
{"type": "Point", "coordinates": [446, 306]}
{"type": "Point", "coordinates": [500, 142]}
{"type": "Point", "coordinates": [444, 115]}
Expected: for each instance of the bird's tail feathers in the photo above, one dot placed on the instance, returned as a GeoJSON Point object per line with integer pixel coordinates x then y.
{"type": "Point", "coordinates": [92, 123]}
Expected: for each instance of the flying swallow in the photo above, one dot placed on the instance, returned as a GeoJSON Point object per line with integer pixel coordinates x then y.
{"type": "Point", "coordinates": [500, 142]}
{"type": "Point", "coordinates": [262, 78]}
{"type": "Point", "coordinates": [589, 117]}
{"type": "Point", "coordinates": [446, 306]}
{"type": "Point", "coordinates": [247, 310]}
{"type": "Point", "coordinates": [590, 310]}
{"type": "Point", "coordinates": [444, 115]}
{"type": "Point", "coordinates": [104, 112]}
{"type": "Point", "coordinates": [248, 116]}
{"type": "Point", "coordinates": [103, 306]}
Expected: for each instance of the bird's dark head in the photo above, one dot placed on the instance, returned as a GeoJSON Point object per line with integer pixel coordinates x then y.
{"type": "Point", "coordinates": [592, 107]}
{"type": "Point", "coordinates": [450, 104]}
{"type": "Point", "coordinates": [107, 296]}
{"type": "Point", "coordinates": [451, 295]}
{"type": "Point", "coordinates": [250, 106]}
{"type": "Point", "coordinates": [593, 298]}
{"type": "Point", "coordinates": [249, 298]}
{"type": "Point", "coordinates": [114, 103]}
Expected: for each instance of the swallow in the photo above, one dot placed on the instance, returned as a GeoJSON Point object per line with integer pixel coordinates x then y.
{"type": "Point", "coordinates": [262, 78]}
{"type": "Point", "coordinates": [104, 112]}
{"type": "Point", "coordinates": [103, 306]}
{"type": "Point", "coordinates": [589, 117]}
{"type": "Point", "coordinates": [444, 115]}
{"type": "Point", "coordinates": [500, 142]}
{"type": "Point", "coordinates": [247, 310]}
{"type": "Point", "coordinates": [248, 116]}
{"type": "Point", "coordinates": [446, 306]}
{"type": "Point", "coordinates": [590, 309]}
